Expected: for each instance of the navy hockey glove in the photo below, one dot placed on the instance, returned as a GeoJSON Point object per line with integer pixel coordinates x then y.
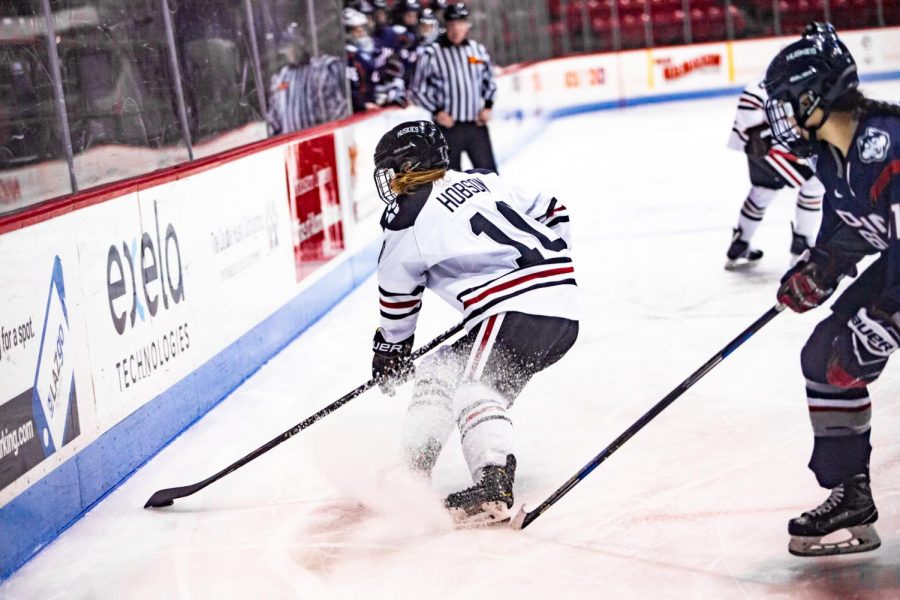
{"type": "Point", "coordinates": [809, 283]}
{"type": "Point", "coordinates": [391, 364]}
{"type": "Point", "coordinates": [859, 352]}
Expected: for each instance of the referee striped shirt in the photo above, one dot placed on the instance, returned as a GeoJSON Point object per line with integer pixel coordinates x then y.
{"type": "Point", "coordinates": [301, 96]}
{"type": "Point", "coordinates": [455, 79]}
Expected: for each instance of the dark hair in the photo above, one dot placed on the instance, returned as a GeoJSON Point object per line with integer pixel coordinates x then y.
{"type": "Point", "coordinates": [854, 100]}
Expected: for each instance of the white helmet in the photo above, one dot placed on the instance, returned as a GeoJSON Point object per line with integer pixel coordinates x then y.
{"type": "Point", "coordinates": [353, 18]}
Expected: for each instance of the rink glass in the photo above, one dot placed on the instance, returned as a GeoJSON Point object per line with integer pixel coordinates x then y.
{"type": "Point", "coordinates": [129, 113]}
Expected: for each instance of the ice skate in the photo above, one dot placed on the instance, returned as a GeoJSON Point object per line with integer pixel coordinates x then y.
{"type": "Point", "coordinates": [850, 507]}
{"type": "Point", "coordinates": [740, 254]}
{"type": "Point", "coordinates": [488, 502]}
{"type": "Point", "coordinates": [799, 245]}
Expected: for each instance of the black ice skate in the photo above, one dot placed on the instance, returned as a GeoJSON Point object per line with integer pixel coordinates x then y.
{"type": "Point", "coordinates": [850, 506]}
{"type": "Point", "coordinates": [799, 245]}
{"type": "Point", "coordinates": [740, 254]}
{"type": "Point", "coordinates": [488, 502]}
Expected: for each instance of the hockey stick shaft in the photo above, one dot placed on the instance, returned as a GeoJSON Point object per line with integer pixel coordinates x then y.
{"type": "Point", "coordinates": [168, 496]}
{"type": "Point", "coordinates": [523, 518]}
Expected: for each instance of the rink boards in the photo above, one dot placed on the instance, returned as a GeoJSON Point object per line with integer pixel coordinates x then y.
{"type": "Point", "coordinates": [131, 310]}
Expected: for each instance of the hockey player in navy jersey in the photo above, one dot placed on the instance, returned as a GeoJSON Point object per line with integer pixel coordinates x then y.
{"type": "Point", "coordinates": [816, 110]}
{"type": "Point", "coordinates": [375, 72]}
{"type": "Point", "coordinates": [499, 255]}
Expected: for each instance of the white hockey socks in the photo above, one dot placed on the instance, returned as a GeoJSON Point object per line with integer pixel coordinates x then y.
{"type": "Point", "coordinates": [485, 428]}
{"type": "Point", "coordinates": [753, 210]}
{"type": "Point", "coordinates": [430, 418]}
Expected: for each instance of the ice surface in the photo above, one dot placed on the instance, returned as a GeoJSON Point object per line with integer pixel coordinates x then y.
{"type": "Point", "coordinates": [695, 506]}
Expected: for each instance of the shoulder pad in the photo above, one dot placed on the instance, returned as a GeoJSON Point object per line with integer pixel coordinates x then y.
{"type": "Point", "coordinates": [480, 172]}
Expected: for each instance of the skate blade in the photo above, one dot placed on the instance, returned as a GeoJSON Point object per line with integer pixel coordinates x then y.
{"type": "Point", "coordinates": [490, 515]}
{"type": "Point", "coordinates": [863, 538]}
{"type": "Point", "coordinates": [739, 264]}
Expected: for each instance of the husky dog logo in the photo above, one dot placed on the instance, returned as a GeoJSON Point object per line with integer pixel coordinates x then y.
{"type": "Point", "coordinates": [391, 211]}
{"type": "Point", "coordinates": [873, 146]}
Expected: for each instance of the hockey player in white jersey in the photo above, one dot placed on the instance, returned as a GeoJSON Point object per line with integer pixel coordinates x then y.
{"type": "Point", "coordinates": [501, 257]}
{"type": "Point", "coordinates": [772, 167]}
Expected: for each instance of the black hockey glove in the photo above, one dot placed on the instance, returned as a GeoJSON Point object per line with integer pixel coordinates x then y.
{"type": "Point", "coordinates": [391, 364]}
{"type": "Point", "coordinates": [810, 282]}
{"type": "Point", "coordinates": [860, 352]}
{"type": "Point", "coordinates": [759, 140]}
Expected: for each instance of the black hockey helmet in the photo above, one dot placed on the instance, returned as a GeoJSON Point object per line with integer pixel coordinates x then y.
{"type": "Point", "coordinates": [456, 12]}
{"type": "Point", "coordinates": [808, 74]}
{"type": "Point", "coordinates": [410, 146]}
{"type": "Point", "coordinates": [405, 6]}
{"type": "Point", "coordinates": [814, 28]}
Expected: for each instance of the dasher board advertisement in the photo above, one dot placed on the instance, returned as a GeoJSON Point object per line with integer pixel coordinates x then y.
{"type": "Point", "coordinates": [315, 203]}
{"type": "Point", "coordinates": [42, 347]}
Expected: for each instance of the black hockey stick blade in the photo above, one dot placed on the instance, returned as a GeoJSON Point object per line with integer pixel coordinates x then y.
{"type": "Point", "coordinates": [523, 518]}
{"type": "Point", "coordinates": [168, 496]}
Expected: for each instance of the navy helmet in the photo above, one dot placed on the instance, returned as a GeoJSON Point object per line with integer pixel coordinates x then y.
{"type": "Point", "coordinates": [410, 146]}
{"type": "Point", "coordinates": [404, 6]}
{"type": "Point", "coordinates": [808, 74]}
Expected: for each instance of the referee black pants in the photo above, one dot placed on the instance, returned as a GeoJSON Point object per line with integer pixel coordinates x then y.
{"type": "Point", "coordinates": [474, 140]}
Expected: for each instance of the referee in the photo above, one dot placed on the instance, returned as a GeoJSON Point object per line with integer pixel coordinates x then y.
{"type": "Point", "coordinates": [454, 81]}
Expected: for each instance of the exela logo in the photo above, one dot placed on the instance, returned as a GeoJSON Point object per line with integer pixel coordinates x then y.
{"type": "Point", "coordinates": [144, 275]}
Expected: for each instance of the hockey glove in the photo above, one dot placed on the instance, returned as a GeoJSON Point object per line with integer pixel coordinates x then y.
{"type": "Point", "coordinates": [759, 140]}
{"type": "Point", "coordinates": [809, 283]}
{"type": "Point", "coordinates": [859, 352]}
{"type": "Point", "coordinates": [391, 364]}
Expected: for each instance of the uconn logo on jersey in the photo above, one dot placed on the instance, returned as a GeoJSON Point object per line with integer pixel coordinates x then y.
{"type": "Point", "coordinates": [457, 194]}
{"type": "Point", "coordinates": [873, 147]}
{"type": "Point", "coordinates": [871, 227]}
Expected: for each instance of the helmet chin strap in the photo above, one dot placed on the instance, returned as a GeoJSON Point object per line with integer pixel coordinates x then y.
{"type": "Point", "coordinates": [812, 131]}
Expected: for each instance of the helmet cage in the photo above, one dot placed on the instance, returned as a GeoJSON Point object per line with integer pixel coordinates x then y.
{"type": "Point", "coordinates": [786, 126]}
{"type": "Point", "coordinates": [383, 179]}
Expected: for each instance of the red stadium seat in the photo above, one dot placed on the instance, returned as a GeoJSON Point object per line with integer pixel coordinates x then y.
{"type": "Point", "coordinates": [892, 12]}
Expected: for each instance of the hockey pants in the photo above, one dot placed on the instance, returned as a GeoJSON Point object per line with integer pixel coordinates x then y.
{"type": "Point", "coordinates": [472, 383]}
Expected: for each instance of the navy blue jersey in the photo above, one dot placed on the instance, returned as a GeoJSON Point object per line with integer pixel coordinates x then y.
{"type": "Point", "coordinates": [861, 213]}
{"type": "Point", "coordinates": [386, 37]}
{"type": "Point", "coordinates": [366, 72]}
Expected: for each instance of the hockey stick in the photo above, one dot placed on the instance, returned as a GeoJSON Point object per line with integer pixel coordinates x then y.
{"type": "Point", "coordinates": [167, 496]}
{"type": "Point", "coordinates": [524, 518]}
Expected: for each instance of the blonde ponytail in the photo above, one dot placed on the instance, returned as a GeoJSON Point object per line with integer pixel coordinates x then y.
{"type": "Point", "coordinates": [404, 183]}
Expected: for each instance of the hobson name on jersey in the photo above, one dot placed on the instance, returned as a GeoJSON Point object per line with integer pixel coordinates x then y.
{"type": "Point", "coordinates": [457, 194]}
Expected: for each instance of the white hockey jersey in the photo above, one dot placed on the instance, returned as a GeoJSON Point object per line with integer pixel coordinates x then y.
{"type": "Point", "coordinates": [751, 112]}
{"type": "Point", "coordinates": [482, 245]}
